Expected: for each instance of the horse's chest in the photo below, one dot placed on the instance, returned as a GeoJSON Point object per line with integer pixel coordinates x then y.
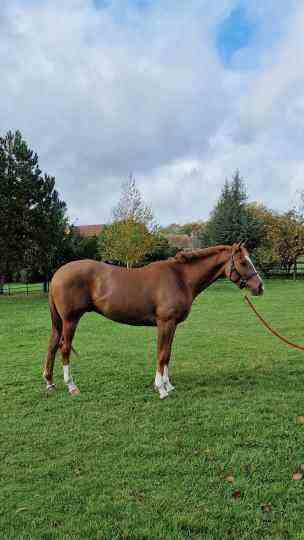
{"type": "Point", "coordinates": [183, 314]}
{"type": "Point", "coordinates": [175, 309]}
{"type": "Point", "coordinates": [180, 313]}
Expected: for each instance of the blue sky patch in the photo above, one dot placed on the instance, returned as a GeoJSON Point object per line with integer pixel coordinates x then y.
{"type": "Point", "coordinates": [101, 4]}
{"type": "Point", "coordinates": [140, 4]}
{"type": "Point", "coordinates": [234, 33]}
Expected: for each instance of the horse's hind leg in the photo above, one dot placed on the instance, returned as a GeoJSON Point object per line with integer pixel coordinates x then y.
{"type": "Point", "coordinates": [166, 330]}
{"type": "Point", "coordinates": [68, 332]}
{"type": "Point", "coordinates": [50, 358]}
{"type": "Point", "coordinates": [53, 345]}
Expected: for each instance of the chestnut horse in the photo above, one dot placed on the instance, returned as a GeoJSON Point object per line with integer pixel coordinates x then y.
{"type": "Point", "coordinates": [159, 294]}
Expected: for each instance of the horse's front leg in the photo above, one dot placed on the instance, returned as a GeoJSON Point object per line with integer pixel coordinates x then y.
{"type": "Point", "coordinates": [166, 330]}
{"type": "Point", "coordinates": [169, 387]}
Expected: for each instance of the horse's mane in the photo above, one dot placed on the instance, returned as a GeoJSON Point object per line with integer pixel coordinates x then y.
{"type": "Point", "coordinates": [188, 256]}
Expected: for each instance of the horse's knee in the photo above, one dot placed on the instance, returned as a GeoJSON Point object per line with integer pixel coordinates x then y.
{"type": "Point", "coordinates": [65, 347]}
{"type": "Point", "coordinates": [65, 350]}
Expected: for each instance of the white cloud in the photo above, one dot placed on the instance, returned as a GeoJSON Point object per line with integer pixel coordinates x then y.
{"type": "Point", "coordinates": [101, 93]}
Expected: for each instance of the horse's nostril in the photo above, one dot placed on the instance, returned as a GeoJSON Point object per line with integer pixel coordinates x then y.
{"type": "Point", "coordinates": [261, 288]}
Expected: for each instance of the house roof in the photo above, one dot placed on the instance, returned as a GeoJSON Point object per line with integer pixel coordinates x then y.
{"type": "Point", "coordinates": [181, 241]}
{"type": "Point", "coordinates": [89, 230]}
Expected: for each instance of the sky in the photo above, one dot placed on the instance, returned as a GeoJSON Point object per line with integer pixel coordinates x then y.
{"type": "Point", "coordinates": [178, 93]}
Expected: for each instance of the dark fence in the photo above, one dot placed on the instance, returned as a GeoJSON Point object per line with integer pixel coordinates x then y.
{"type": "Point", "coordinates": [12, 289]}
{"type": "Point", "coordinates": [282, 272]}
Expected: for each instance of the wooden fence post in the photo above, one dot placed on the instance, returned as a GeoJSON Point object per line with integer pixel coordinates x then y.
{"type": "Point", "coordinates": [2, 281]}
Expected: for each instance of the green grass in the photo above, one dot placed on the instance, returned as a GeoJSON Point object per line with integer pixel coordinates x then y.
{"type": "Point", "coordinates": [118, 463]}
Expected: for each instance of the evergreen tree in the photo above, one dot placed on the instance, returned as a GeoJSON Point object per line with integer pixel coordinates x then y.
{"type": "Point", "coordinates": [75, 247]}
{"type": "Point", "coordinates": [232, 219]}
{"type": "Point", "coordinates": [32, 216]}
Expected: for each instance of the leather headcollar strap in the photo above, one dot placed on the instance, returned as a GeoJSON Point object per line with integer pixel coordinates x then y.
{"type": "Point", "coordinates": [243, 280]}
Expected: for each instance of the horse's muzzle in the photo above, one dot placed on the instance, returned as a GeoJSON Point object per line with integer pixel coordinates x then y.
{"type": "Point", "coordinates": [258, 291]}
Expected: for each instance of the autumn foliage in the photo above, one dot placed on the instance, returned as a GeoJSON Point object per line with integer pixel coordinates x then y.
{"type": "Point", "coordinates": [133, 232]}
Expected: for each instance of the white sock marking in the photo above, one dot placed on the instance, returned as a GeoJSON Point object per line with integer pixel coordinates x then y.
{"type": "Point", "coordinates": [159, 384]}
{"type": "Point", "coordinates": [169, 387]}
{"type": "Point", "coordinates": [159, 380]}
{"type": "Point", "coordinates": [67, 377]}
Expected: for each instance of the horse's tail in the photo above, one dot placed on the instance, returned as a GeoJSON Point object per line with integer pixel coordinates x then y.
{"type": "Point", "coordinates": [75, 352]}
{"type": "Point", "coordinates": [56, 319]}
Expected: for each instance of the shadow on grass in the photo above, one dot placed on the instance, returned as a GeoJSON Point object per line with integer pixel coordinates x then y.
{"type": "Point", "coordinates": [277, 378]}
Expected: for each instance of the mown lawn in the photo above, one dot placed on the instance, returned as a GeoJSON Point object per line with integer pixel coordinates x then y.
{"type": "Point", "coordinates": [118, 463]}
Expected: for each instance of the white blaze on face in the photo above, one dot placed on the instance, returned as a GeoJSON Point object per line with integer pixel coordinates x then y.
{"type": "Point", "coordinates": [252, 266]}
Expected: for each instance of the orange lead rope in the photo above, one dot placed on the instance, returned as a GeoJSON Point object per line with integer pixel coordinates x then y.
{"type": "Point", "coordinates": [274, 332]}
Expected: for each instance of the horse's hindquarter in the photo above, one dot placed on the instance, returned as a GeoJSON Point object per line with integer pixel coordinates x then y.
{"type": "Point", "coordinates": [71, 288]}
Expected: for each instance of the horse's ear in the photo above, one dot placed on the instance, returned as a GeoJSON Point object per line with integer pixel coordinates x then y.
{"type": "Point", "coordinates": [242, 243]}
{"type": "Point", "coordinates": [236, 247]}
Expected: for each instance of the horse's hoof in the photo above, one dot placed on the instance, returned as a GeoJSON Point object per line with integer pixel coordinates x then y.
{"type": "Point", "coordinates": [74, 391]}
{"type": "Point", "coordinates": [169, 387]}
{"type": "Point", "coordinates": [163, 394]}
{"type": "Point", "coordinates": [162, 391]}
{"type": "Point", "coordinates": [50, 388]}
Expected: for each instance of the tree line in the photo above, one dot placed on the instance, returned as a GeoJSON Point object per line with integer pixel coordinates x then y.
{"type": "Point", "coordinates": [36, 236]}
{"type": "Point", "coordinates": [274, 238]}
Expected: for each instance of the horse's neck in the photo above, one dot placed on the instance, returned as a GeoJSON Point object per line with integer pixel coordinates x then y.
{"type": "Point", "coordinates": [201, 273]}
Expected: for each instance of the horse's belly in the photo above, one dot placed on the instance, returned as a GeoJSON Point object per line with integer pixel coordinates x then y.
{"type": "Point", "coordinates": [130, 318]}
{"type": "Point", "coordinates": [126, 312]}
{"type": "Point", "coordinates": [134, 322]}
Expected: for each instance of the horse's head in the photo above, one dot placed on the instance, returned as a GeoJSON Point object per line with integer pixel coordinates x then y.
{"type": "Point", "coordinates": [241, 271]}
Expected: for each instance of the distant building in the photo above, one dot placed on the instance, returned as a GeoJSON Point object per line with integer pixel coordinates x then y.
{"type": "Point", "coordinates": [180, 241]}
{"type": "Point", "coordinates": [89, 230]}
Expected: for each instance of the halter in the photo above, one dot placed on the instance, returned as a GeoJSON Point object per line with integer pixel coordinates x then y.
{"type": "Point", "coordinates": [243, 280]}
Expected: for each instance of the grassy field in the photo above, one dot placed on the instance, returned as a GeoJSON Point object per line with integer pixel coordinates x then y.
{"type": "Point", "coordinates": [213, 461]}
